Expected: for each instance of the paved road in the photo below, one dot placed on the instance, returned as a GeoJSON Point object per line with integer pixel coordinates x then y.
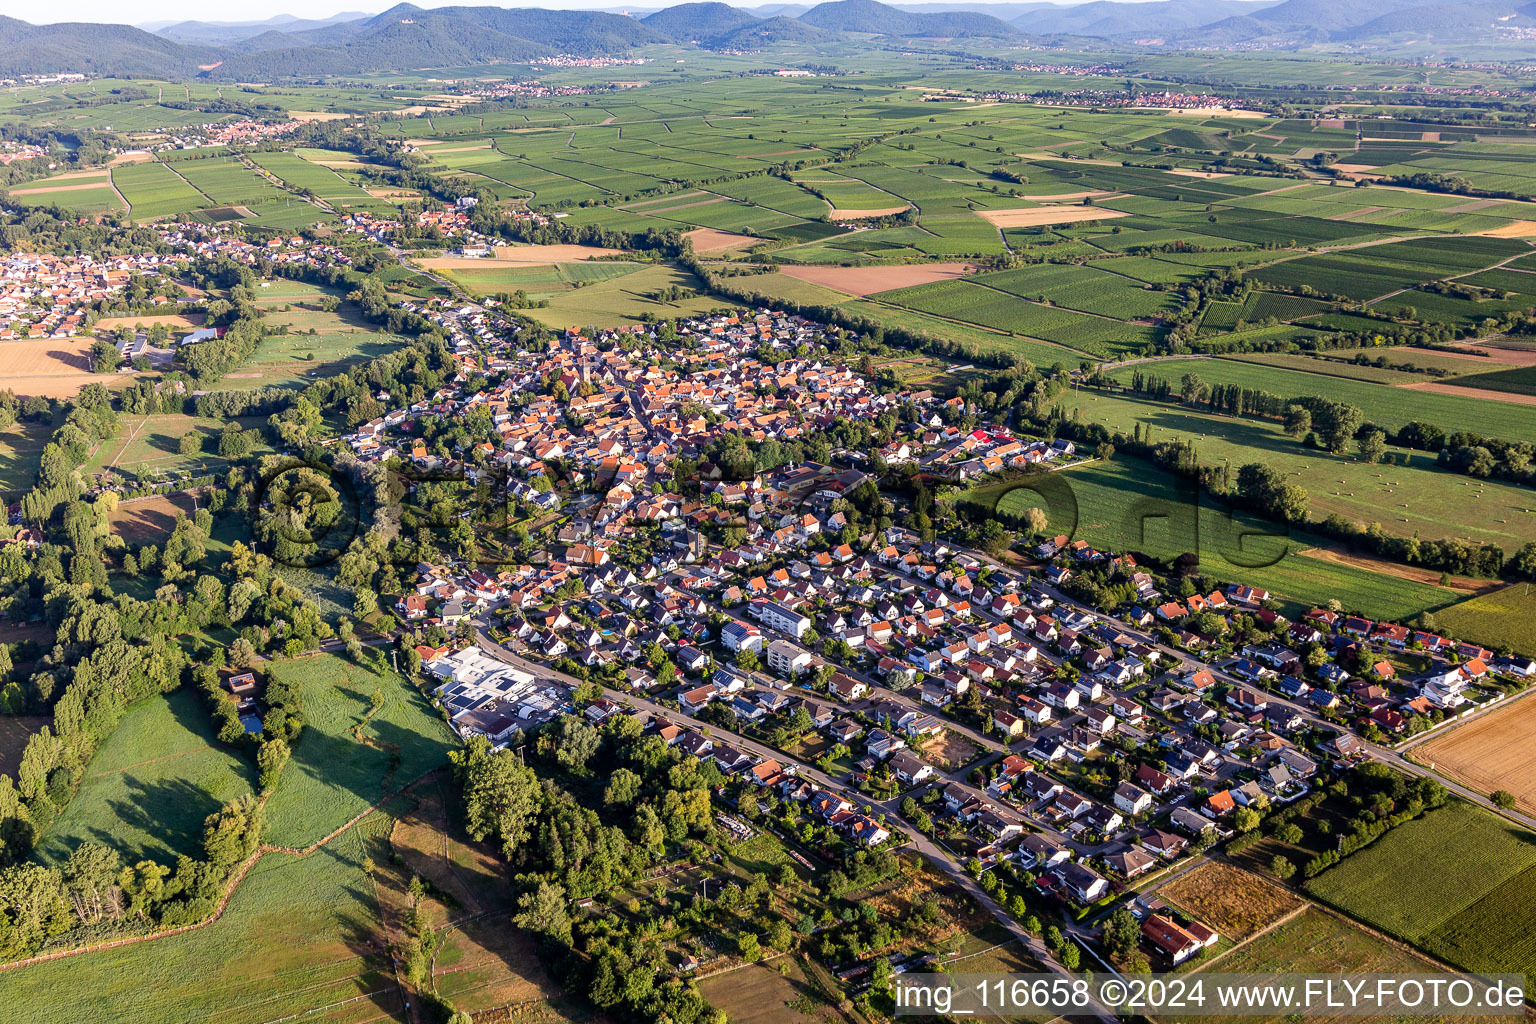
{"type": "Point", "coordinates": [890, 808]}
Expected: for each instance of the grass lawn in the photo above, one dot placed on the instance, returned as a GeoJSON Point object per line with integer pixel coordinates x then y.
{"type": "Point", "coordinates": [332, 775]}
{"type": "Point", "coordinates": [149, 787]}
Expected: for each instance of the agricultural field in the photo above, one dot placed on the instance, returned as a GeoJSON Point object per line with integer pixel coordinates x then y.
{"type": "Point", "coordinates": [1457, 883]}
{"type": "Point", "coordinates": [154, 191]}
{"type": "Point", "coordinates": [86, 193]}
{"type": "Point", "coordinates": [538, 280]}
{"type": "Point", "coordinates": [1414, 495]}
{"type": "Point", "coordinates": [1386, 406]}
{"type": "Point", "coordinates": [52, 367]}
{"type": "Point", "coordinates": [1520, 380]}
{"type": "Point", "coordinates": [974, 302]}
{"type": "Point", "coordinates": [1492, 752]}
{"type": "Point", "coordinates": [1504, 618]}
{"type": "Point", "coordinates": [625, 300]}
{"type": "Point", "coordinates": [1320, 941]}
{"type": "Point", "coordinates": [1129, 505]}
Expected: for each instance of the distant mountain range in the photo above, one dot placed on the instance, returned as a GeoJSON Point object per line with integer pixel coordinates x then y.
{"type": "Point", "coordinates": [407, 37]}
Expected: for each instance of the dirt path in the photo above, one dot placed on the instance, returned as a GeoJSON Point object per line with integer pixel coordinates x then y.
{"type": "Point", "coordinates": [1460, 584]}
{"type": "Point", "coordinates": [153, 760]}
{"type": "Point", "coordinates": [1443, 388]}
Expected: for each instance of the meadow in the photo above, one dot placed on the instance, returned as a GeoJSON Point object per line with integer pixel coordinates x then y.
{"type": "Point", "coordinates": [300, 936]}
{"type": "Point", "coordinates": [1386, 406]}
{"type": "Point", "coordinates": [350, 755]}
{"type": "Point", "coordinates": [1130, 505]}
{"type": "Point", "coordinates": [1412, 496]}
{"type": "Point", "coordinates": [149, 787]}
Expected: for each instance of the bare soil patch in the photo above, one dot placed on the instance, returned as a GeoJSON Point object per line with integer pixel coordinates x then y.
{"type": "Point", "coordinates": [95, 172]}
{"type": "Point", "coordinates": [1496, 358]}
{"type": "Point", "coordinates": [457, 149]}
{"type": "Point", "coordinates": [150, 519]}
{"type": "Point", "coordinates": [317, 115]}
{"type": "Point", "coordinates": [883, 211]}
{"type": "Point", "coordinates": [1452, 389]}
{"type": "Point", "coordinates": [1047, 215]}
{"type": "Point", "coordinates": [1354, 168]}
{"type": "Point", "coordinates": [949, 750]}
{"type": "Point", "coordinates": [868, 280]}
{"type": "Point", "coordinates": [1235, 902]}
{"type": "Point", "coordinates": [709, 240]}
{"type": "Point", "coordinates": [520, 256]}
{"type": "Point", "coordinates": [137, 156]}
{"type": "Point", "coordinates": [15, 730]}
{"type": "Point", "coordinates": [1490, 753]}
{"type": "Point", "coordinates": [1460, 584]}
{"type": "Point", "coordinates": [190, 321]}
{"type": "Point", "coordinates": [1066, 197]}
{"type": "Point", "coordinates": [56, 188]}
{"type": "Point", "coordinates": [1521, 355]}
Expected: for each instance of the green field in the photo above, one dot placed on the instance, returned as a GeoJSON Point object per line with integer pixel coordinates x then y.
{"type": "Point", "coordinates": [148, 445]}
{"type": "Point", "coordinates": [1129, 505]}
{"type": "Point", "coordinates": [1388, 407]}
{"type": "Point", "coordinates": [21, 453]}
{"type": "Point", "coordinates": [1517, 381]}
{"type": "Point", "coordinates": [333, 775]}
{"type": "Point", "coordinates": [1459, 883]}
{"type": "Point", "coordinates": [300, 937]}
{"type": "Point", "coordinates": [1417, 498]}
{"type": "Point", "coordinates": [538, 281]}
{"type": "Point", "coordinates": [1505, 618]}
{"type": "Point", "coordinates": [149, 787]}
{"type": "Point", "coordinates": [625, 300]}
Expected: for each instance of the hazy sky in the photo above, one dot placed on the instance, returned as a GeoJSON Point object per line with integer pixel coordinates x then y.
{"type": "Point", "coordinates": [136, 12]}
